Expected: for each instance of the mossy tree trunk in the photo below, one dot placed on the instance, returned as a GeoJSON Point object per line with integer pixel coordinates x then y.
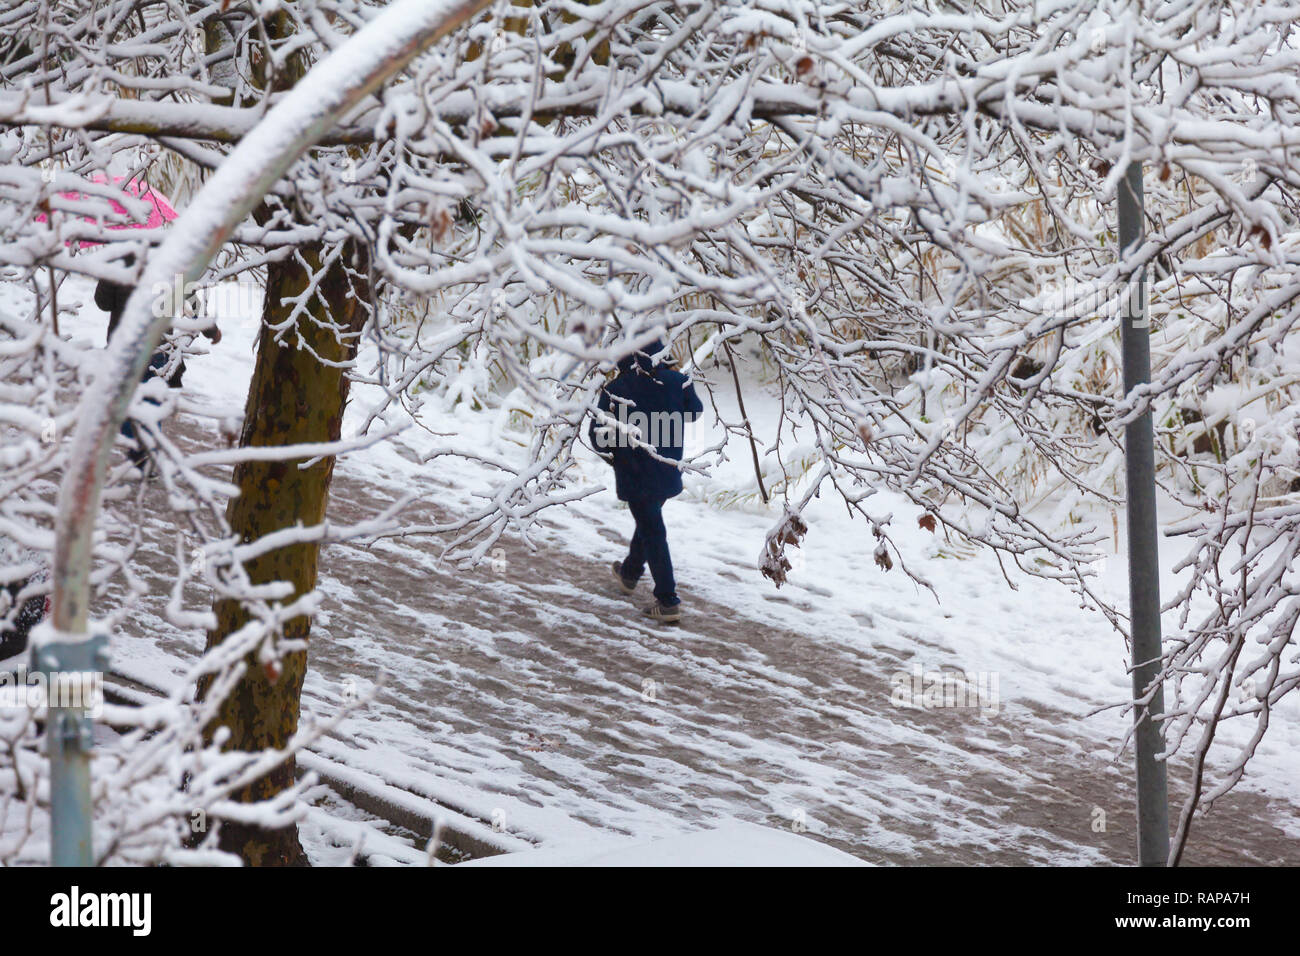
{"type": "Point", "coordinates": [293, 398]}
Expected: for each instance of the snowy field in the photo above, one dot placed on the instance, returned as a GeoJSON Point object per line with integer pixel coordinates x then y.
{"type": "Point", "coordinates": [527, 706]}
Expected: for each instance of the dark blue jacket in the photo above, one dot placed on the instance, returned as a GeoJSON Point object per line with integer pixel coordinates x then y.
{"type": "Point", "coordinates": [659, 402]}
{"type": "Point", "coordinates": [112, 298]}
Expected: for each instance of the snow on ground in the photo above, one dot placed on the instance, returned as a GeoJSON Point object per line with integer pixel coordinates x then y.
{"type": "Point", "coordinates": [740, 844]}
{"type": "Point", "coordinates": [527, 698]}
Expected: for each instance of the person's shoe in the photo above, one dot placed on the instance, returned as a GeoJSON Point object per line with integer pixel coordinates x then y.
{"type": "Point", "coordinates": [142, 465]}
{"type": "Point", "coordinates": [664, 614]}
{"type": "Point", "coordinates": [627, 586]}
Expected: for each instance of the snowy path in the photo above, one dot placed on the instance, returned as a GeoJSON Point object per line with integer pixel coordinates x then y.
{"type": "Point", "coordinates": [522, 698]}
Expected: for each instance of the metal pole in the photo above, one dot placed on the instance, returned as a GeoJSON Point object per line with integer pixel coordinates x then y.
{"type": "Point", "coordinates": [1143, 553]}
{"type": "Point", "coordinates": [334, 87]}
{"type": "Point", "coordinates": [72, 681]}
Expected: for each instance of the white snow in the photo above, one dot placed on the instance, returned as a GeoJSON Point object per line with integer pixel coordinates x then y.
{"type": "Point", "coordinates": [1042, 648]}
{"type": "Point", "coordinates": [738, 844]}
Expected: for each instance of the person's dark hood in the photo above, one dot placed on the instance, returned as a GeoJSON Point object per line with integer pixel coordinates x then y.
{"type": "Point", "coordinates": [642, 358]}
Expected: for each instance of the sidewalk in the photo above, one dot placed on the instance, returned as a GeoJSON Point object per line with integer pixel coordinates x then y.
{"type": "Point", "coordinates": [533, 700]}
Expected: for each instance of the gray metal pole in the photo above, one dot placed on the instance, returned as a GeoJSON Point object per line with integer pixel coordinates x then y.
{"type": "Point", "coordinates": [71, 671]}
{"type": "Point", "coordinates": [1143, 553]}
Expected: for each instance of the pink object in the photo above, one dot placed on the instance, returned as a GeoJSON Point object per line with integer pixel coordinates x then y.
{"type": "Point", "coordinates": [160, 212]}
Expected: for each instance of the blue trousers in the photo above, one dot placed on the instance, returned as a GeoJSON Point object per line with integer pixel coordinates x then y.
{"type": "Point", "coordinates": [650, 546]}
{"type": "Point", "coordinates": [156, 364]}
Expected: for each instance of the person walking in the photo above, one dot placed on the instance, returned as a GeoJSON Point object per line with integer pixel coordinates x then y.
{"type": "Point", "coordinates": [650, 404]}
{"type": "Point", "coordinates": [22, 603]}
{"type": "Point", "coordinates": [150, 209]}
{"type": "Point", "coordinates": [111, 297]}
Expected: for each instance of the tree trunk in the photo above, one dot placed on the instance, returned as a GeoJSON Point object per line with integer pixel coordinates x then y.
{"type": "Point", "coordinates": [293, 398]}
